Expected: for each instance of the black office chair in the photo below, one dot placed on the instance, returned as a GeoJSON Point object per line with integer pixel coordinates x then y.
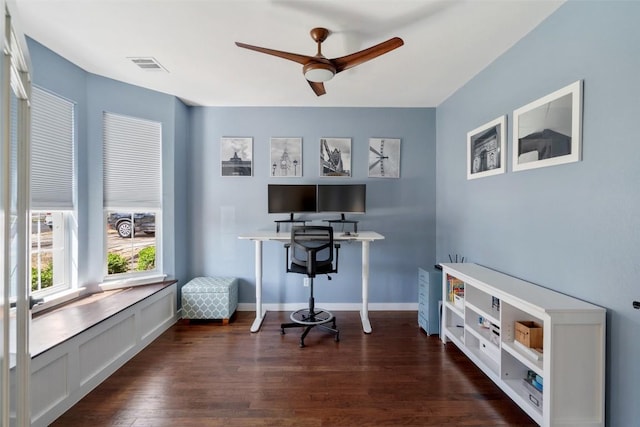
{"type": "Point", "coordinates": [311, 249]}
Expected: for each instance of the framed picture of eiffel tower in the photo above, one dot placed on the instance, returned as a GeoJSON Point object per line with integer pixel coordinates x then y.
{"type": "Point", "coordinates": [286, 157]}
{"type": "Point", "coordinates": [384, 158]}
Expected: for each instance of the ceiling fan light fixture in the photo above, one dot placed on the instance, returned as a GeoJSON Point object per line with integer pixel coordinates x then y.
{"type": "Point", "coordinates": [318, 72]}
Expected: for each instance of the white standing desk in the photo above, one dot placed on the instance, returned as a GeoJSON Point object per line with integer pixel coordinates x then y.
{"type": "Point", "coordinates": [364, 237]}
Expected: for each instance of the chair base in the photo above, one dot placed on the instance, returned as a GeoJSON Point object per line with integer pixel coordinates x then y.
{"type": "Point", "coordinates": [312, 319]}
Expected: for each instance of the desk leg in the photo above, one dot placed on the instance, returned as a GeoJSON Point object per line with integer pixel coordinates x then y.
{"type": "Point", "coordinates": [255, 327]}
{"type": "Point", "coordinates": [364, 313]}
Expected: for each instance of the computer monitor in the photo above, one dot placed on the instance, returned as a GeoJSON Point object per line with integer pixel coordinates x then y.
{"type": "Point", "coordinates": [345, 198]}
{"type": "Point", "coordinates": [291, 198]}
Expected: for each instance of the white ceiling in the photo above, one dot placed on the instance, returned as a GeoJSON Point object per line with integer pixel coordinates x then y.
{"type": "Point", "coordinates": [447, 42]}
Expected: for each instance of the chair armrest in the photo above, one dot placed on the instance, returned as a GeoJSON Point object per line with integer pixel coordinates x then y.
{"type": "Point", "coordinates": [337, 246]}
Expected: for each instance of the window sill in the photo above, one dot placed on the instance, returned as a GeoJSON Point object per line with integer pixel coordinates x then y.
{"type": "Point", "coordinates": [59, 298]}
{"type": "Point", "coordinates": [132, 281]}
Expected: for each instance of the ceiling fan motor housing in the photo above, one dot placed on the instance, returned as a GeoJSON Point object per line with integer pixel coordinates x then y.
{"type": "Point", "coordinates": [316, 71]}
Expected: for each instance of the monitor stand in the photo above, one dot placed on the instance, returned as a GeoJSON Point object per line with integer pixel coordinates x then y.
{"type": "Point", "coordinates": [290, 220]}
{"type": "Point", "coordinates": [343, 220]}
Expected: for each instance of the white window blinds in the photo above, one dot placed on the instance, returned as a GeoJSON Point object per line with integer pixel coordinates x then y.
{"type": "Point", "coordinates": [52, 136]}
{"type": "Point", "coordinates": [132, 162]}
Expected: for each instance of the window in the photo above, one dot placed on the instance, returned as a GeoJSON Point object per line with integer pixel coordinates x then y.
{"type": "Point", "coordinates": [52, 192]}
{"type": "Point", "coordinates": [132, 195]}
{"type": "Point", "coordinates": [48, 260]}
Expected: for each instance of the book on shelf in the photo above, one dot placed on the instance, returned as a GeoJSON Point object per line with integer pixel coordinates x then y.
{"type": "Point", "coordinates": [534, 380]}
{"type": "Point", "coordinates": [456, 288]}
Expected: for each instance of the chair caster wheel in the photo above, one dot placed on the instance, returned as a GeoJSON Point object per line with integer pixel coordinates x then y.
{"type": "Point", "coordinates": [301, 344]}
{"type": "Point", "coordinates": [282, 331]}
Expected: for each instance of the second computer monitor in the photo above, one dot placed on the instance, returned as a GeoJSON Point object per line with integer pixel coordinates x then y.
{"type": "Point", "coordinates": [346, 198]}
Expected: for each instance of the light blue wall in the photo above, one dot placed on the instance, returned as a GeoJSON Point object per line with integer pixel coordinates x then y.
{"type": "Point", "coordinates": [179, 215]}
{"type": "Point", "coordinates": [573, 228]}
{"type": "Point", "coordinates": [204, 213]}
{"type": "Point", "coordinates": [93, 95]}
{"type": "Point", "coordinates": [403, 210]}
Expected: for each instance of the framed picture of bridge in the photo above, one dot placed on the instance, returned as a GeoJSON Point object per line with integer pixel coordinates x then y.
{"type": "Point", "coordinates": [547, 131]}
{"type": "Point", "coordinates": [384, 158]}
{"type": "Point", "coordinates": [335, 157]}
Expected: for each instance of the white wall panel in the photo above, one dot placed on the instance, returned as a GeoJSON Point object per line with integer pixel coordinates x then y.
{"type": "Point", "coordinates": [64, 374]}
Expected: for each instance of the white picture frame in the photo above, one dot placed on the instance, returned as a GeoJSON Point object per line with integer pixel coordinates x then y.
{"type": "Point", "coordinates": [384, 158]}
{"type": "Point", "coordinates": [236, 156]}
{"type": "Point", "coordinates": [285, 158]}
{"type": "Point", "coordinates": [487, 149]}
{"type": "Point", "coordinates": [548, 131]}
{"type": "Point", "coordinates": [335, 157]}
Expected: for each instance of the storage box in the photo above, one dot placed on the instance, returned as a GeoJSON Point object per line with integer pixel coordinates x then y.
{"type": "Point", "coordinates": [210, 298]}
{"type": "Point", "coordinates": [535, 395]}
{"type": "Point", "coordinates": [529, 333]}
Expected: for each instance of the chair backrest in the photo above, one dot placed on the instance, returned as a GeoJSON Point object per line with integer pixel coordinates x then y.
{"type": "Point", "coordinates": [312, 250]}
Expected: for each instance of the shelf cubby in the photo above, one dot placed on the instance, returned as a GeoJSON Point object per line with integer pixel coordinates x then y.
{"type": "Point", "coordinates": [472, 323]}
{"type": "Point", "coordinates": [453, 326]}
{"type": "Point", "coordinates": [483, 303]}
{"type": "Point", "coordinates": [486, 353]}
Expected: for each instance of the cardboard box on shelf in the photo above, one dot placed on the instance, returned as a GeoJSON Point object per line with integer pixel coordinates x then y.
{"type": "Point", "coordinates": [529, 333]}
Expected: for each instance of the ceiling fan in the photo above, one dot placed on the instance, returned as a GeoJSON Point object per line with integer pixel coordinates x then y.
{"type": "Point", "coordinates": [318, 69]}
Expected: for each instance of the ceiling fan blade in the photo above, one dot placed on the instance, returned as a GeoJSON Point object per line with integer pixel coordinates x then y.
{"type": "Point", "coordinates": [300, 59]}
{"type": "Point", "coordinates": [350, 61]}
{"type": "Point", "coordinates": [318, 87]}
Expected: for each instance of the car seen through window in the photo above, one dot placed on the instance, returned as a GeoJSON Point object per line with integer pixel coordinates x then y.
{"type": "Point", "coordinates": [142, 223]}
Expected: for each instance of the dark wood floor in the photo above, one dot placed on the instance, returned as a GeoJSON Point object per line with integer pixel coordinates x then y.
{"type": "Point", "coordinates": [205, 374]}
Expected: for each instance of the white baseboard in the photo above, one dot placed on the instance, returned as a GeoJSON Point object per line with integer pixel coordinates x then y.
{"type": "Point", "coordinates": [374, 306]}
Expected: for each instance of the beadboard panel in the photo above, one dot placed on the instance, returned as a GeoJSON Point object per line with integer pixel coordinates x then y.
{"type": "Point", "coordinates": [155, 315]}
{"type": "Point", "coordinates": [102, 350]}
{"type": "Point", "coordinates": [50, 385]}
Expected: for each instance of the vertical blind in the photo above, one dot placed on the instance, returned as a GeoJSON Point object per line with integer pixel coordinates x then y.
{"type": "Point", "coordinates": [52, 136]}
{"type": "Point", "coordinates": [132, 162]}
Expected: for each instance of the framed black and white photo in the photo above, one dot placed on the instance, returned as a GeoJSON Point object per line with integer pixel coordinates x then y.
{"type": "Point", "coordinates": [486, 149]}
{"type": "Point", "coordinates": [335, 157]}
{"type": "Point", "coordinates": [548, 131]}
{"type": "Point", "coordinates": [384, 158]}
{"type": "Point", "coordinates": [286, 157]}
{"type": "Point", "coordinates": [236, 156]}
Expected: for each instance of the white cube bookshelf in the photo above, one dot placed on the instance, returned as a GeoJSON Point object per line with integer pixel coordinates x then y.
{"type": "Point", "coordinates": [572, 363]}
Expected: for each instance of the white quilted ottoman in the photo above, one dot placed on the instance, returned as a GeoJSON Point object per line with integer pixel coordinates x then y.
{"type": "Point", "coordinates": [210, 298]}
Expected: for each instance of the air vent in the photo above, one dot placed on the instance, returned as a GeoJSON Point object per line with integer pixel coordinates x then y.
{"type": "Point", "coordinates": [148, 63]}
